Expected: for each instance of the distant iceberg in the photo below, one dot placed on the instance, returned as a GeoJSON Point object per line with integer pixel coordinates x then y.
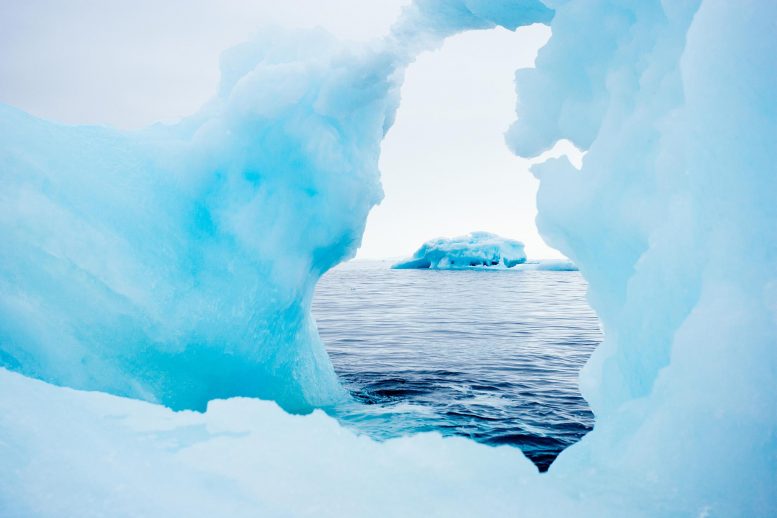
{"type": "Point", "coordinates": [550, 265]}
{"type": "Point", "coordinates": [474, 250]}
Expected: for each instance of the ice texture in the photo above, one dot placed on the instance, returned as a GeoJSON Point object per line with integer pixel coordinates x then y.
{"type": "Point", "coordinates": [671, 220]}
{"type": "Point", "coordinates": [474, 250]}
{"type": "Point", "coordinates": [176, 265]}
{"type": "Point", "coordinates": [549, 265]}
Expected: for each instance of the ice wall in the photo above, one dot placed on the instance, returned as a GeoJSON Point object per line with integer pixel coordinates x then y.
{"type": "Point", "coordinates": [672, 222]}
{"type": "Point", "coordinates": [177, 264]}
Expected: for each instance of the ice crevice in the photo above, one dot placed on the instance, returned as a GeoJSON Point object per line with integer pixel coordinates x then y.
{"type": "Point", "coordinates": [175, 265]}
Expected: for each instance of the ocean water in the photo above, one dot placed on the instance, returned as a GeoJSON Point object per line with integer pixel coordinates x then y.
{"type": "Point", "coordinates": [489, 355]}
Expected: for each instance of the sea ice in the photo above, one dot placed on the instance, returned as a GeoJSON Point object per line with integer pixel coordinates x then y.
{"type": "Point", "coordinates": [549, 265]}
{"type": "Point", "coordinates": [474, 250]}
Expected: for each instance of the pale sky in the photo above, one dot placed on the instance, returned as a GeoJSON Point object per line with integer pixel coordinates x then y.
{"type": "Point", "coordinates": [128, 63]}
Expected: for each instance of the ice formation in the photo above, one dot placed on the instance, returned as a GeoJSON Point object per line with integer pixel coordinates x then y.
{"type": "Point", "coordinates": [176, 265]}
{"type": "Point", "coordinates": [474, 250]}
{"type": "Point", "coordinates": [549, 265]}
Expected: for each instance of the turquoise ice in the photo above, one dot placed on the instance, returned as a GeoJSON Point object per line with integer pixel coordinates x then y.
{"type": "Point", "coordinates": [474, 250]}
{"type": "Point", "coordinates": [175, 265]}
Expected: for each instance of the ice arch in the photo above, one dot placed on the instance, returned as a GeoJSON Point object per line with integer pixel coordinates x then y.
{"type": "Point", "coordinates": [177, 264]}
{"type": "Point", "coordinates": [671, 219]}
{"type": "Point", "coordinates": [444, 166]}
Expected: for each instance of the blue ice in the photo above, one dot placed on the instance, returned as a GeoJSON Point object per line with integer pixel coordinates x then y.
{"type": "Point", "coordinates": [176, 265]}
{"type": "Point", "coordinates": [474, 250]}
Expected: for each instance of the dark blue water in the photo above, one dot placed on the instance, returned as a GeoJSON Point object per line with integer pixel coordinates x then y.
{"type": "Point", "coordinates": [489, 355]}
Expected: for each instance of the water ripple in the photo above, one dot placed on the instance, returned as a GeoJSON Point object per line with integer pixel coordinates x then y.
{"type": "Point", "coordinates": [493, 356]}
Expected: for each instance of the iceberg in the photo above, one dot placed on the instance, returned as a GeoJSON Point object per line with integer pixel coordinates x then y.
{"type": "Point", "coordinates": [549, 265]}
{"type": "Point", "coordinates": [474, 250]}
{"type": "Point", "coordinates": [176, 265]}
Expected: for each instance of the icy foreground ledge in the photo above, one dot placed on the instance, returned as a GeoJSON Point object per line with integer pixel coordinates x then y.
{"type": "Point", "coordinates": [93, 454]}
{"type": "Point", "coordinates": [474, 250]}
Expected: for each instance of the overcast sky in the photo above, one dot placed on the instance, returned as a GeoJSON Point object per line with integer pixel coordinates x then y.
{"type": "Point", "coordinates": [446, 170]}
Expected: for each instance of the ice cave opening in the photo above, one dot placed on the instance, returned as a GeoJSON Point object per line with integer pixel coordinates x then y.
{"type": "Point", "coordinates": [494, 358]}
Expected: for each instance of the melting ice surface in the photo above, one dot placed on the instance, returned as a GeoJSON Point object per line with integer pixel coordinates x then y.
{"type": "Point", "coordinates": [490, 355]}
{"type": "Point", "coordinates": [476, 249]}
{"type": "Point", "coordinates": [177, 265]}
